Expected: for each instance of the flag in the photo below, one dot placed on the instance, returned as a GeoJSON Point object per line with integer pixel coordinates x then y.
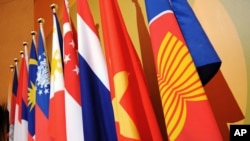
{"type": "Point", "coordinates": [57, 121]}
{"type": "Point", "coordinates": [134, 115]}
{"type": "Point", "coordinates": [187, 112]}
{"type": "Point", "coordinates": [20, 123]}
{"type": "Point", "coordinates": [208, 65]}
{"type": "Point", "coordinates": [204, 56]}
{"type": "Point", "coordinates": [73, 104]}
{"type": "Point", "coordinates": [32, 91]}
{"type": "Point", "coordinates": [42, 91]}
{"type": "Point", "coordinates": [13, 104]}
{"type": "Point", "coordinates": [98, 116]}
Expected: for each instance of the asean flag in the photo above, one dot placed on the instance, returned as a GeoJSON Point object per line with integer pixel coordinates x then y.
{"type": "Point", "coordinates": [134, 115]}
{"type": "Point", "coordinates": [187, 112]}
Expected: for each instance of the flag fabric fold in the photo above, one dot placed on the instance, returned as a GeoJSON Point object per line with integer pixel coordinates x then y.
{"type": "Point", "coordinates": [73, 104]}
{"type": "Point", "coordinates": [57, 121]}
{"type": "Point", "coordinates": [42, 91]}
{"type": "Point", "coordinates": [20, 123]}
{"type": "Point", "coordinates": [187, 113]}
{"type": "Point", "coordinates": [134, 115]}
{"type": "Point", "coordinates": [201, 49]}
{"type": "Point", "coordinates": [32, 91]}
{"type": "Point", "coordinates": [98, 114]}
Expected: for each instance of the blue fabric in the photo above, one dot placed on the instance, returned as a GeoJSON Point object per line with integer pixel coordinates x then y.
{"type": "Point", "coordinates": [204, 56]}
{"type": "Point", "coordinates": [43, 79]}
{"type": "Point", "coordinates": [31, 87]}
{"type": "Point", "coordinates": [162, 5]}
{"type": "Point", "coordinates": [98, 117]}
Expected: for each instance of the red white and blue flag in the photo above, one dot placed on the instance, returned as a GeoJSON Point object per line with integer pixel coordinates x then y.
{"type": "Point", "coordinates": [12, 105]}
{"type": "Point", "coordinates": [98, 114]}
{"type": "Point", "coordinates": [20, 123]}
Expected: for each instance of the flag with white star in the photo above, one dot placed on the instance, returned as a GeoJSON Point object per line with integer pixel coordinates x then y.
{"type": "Point", "coordinates": [73, 104]}
{"type": "Point", "coordinates": [42, 91]}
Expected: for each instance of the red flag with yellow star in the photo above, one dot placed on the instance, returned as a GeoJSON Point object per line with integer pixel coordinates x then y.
{"type": "Point", "coordinates": [134, 115]}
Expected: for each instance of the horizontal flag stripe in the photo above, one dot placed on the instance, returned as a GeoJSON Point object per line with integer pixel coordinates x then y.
{"type": "Point", "coordinates": [96, 102]}
{"type": "Point", "coordinates": [66, 28]}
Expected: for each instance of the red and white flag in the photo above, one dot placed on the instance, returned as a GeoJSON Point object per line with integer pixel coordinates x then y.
{"type": "Point", "coordinates": [73, 104]}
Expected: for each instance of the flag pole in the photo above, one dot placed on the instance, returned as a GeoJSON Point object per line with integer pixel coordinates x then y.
{"type": "Point", "coordinates": [22, 53]}
{"type": "Point", "coordinates": [33, 34]}
{"type": "Point", "coordinates": [9, 89]}
{"type": "Point", "coordinates": [41, 22]}
{"type": "Point", "coordinates": [54, 7]}
{"type": "Point", "coordinates": [16, 65]}
{"type": "Point", "coordinates": [25, 45]}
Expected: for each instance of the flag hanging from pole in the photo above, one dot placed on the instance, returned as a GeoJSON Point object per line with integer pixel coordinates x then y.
{"type": "Point", "coordinates": [57, 121]}
{"type": "Point", "coordinates": [42, 91]}
{"type": "Point", "coordinates": [208, 65]}
{"type": "Point", "coordinates": [98, 116]}
{"type": "Point", "coordinates": [20, 123]}
{"type": "Point", "coordinates": [13, 104]}
{"type": "Point", "coordinates": [187, 113]}
{"type": "Point", "coordinates": [134, 115]}
{"type": "Point", "coordinates": [73, 104]}
{"type": "Point", "coordinates": [32, 91]}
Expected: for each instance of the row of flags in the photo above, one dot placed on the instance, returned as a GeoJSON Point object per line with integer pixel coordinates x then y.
{"type": "Point", "coordinates": [81, 95]}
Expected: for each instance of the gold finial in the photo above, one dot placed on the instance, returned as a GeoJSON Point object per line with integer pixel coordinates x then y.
{"type": "Point", "coordinates": [41, 21]}
{"type": "Point", "coordinates": [54, 7]}
{"type": "Point", "coordinates": [33, 33]}
{"type": "Point", "coordinates": [15, 60]}
{"type": "Point", "coordinates": [25, 44]}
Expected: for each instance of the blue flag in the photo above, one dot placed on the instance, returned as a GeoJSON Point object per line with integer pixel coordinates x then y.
{"type": "Point", "coordinates": [43, 78]}
{"type": "Point", "coordinates": [204, 56]}
{"type": "Point", "coordinates": [32, 89]}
